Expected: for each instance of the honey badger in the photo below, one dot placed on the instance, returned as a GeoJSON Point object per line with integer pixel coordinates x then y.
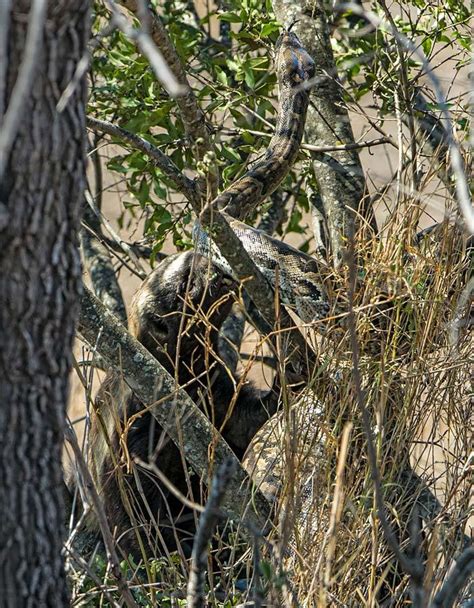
{"type": "Point", "coordinates": [176, 314]}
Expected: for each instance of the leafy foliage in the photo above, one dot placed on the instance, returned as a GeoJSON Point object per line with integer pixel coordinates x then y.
{"type": "Point", "coordinates": [228, 58]}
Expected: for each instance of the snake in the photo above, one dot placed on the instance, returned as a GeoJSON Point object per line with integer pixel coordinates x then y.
{"type": "Point", "coordinates": [295, 274]}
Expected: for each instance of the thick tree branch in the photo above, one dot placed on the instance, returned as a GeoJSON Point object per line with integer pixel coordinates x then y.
{"type": "Point", "coordinates": [259, 290]}
{"type": "Point", "coordinates": [462, 571]}
{"type": "Point", "coordinates": [168, 403]}
{"type": "Point", "coordinates": [228, 242]}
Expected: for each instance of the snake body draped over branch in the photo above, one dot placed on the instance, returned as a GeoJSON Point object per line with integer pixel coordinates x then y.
{"type": "Point", "coordinates": [299, 283]}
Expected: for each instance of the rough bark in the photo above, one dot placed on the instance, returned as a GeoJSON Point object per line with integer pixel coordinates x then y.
{"type": "Point", "coordinates": [40, 200]}
{"type": "Point", "coordinates": [99, 265]}
{"type": "Point", "coordinates": [339, 173]}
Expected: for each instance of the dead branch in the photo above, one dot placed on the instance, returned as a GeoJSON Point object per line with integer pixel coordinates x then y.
{"type": "Point", "coordinates": [207, 524]}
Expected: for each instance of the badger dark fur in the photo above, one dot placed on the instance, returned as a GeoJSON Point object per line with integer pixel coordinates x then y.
{"type": "Point", "coordinates": [176, 314]}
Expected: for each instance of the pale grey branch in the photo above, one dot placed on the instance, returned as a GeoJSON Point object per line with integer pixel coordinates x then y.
{"type": "Point", "coordinates": [146, 45]}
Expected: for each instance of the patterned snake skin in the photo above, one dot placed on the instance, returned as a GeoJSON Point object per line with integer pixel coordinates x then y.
{"type": "Point", "coordinates": [298, 284]}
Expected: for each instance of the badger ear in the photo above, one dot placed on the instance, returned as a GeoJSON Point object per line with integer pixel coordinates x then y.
{"type": "Point", "coordinates": [159, 327]}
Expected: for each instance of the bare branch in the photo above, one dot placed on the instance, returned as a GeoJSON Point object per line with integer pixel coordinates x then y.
{"type": "Point", "coordinates": [183, 184]}
{"type": "Point", "coordinates": [139, 248]}
{"type": "Point", "coordinates": [359, 145]}
{"type": "Point", "coordinates": [207, 524]}
{"type": "Point", "coordinates": [191, 114]}
{"type": "Point", "coordinates": [460, 574]}
{"type": "Point", "coordinates": [25, 79]}
{"type": "Point", "coordinates": [139, 268]}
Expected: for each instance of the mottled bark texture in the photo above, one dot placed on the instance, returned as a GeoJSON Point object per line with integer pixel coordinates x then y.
{"type": "Point", "coordinates": [98, 264]}
{"type": "Point", "coordinates": [40, 200]}
{"type": "Point", "coordinates": [339, 173]}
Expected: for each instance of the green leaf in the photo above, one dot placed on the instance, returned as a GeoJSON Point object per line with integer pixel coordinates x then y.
{"type": "Point", "coordinates": [268, 29]}
{"type": "Point", "coordinates": [230, 17]}
{"type": "Point", "coordinates": [249, 76]}
{"type": "Point", "coordinates": [222, 76]}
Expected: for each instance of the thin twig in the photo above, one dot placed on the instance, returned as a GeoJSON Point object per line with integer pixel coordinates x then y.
{"type": "Point", "coordinates": [114, 235]}
{"type": "Point", "coordinates": [183, 184]}
{"type": "Point", "coordinates": [462, 188]}
{"type": "Point", "coordinates": [207, 523]}
{"type": "Point", "coordinates": [82, 66]}
{"type": "Point", "coordinates": [94, 498]}
{"type": "Point", "coordinates": [24, 82]}
{"type": "Point", "coordinates": [150, 50]}
{"type": "Point", "coordinates": [368, 143]}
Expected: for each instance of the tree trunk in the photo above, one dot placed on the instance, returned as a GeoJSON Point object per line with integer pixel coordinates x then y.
{"type": "Point", "coordinates": [43, 160]}
{"type": "Point", "coordinates": [339, 173]}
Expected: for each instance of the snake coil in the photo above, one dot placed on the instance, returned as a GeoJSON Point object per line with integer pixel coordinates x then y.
{"type": "Point", "coordinates": [297, 272]}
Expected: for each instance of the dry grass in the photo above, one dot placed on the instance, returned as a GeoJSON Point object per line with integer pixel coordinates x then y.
{"type": "Point", "coordinates": [327, 546]}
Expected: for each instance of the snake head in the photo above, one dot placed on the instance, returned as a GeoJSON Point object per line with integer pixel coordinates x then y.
{"type": "Point", "coordinates": [293, 63]}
